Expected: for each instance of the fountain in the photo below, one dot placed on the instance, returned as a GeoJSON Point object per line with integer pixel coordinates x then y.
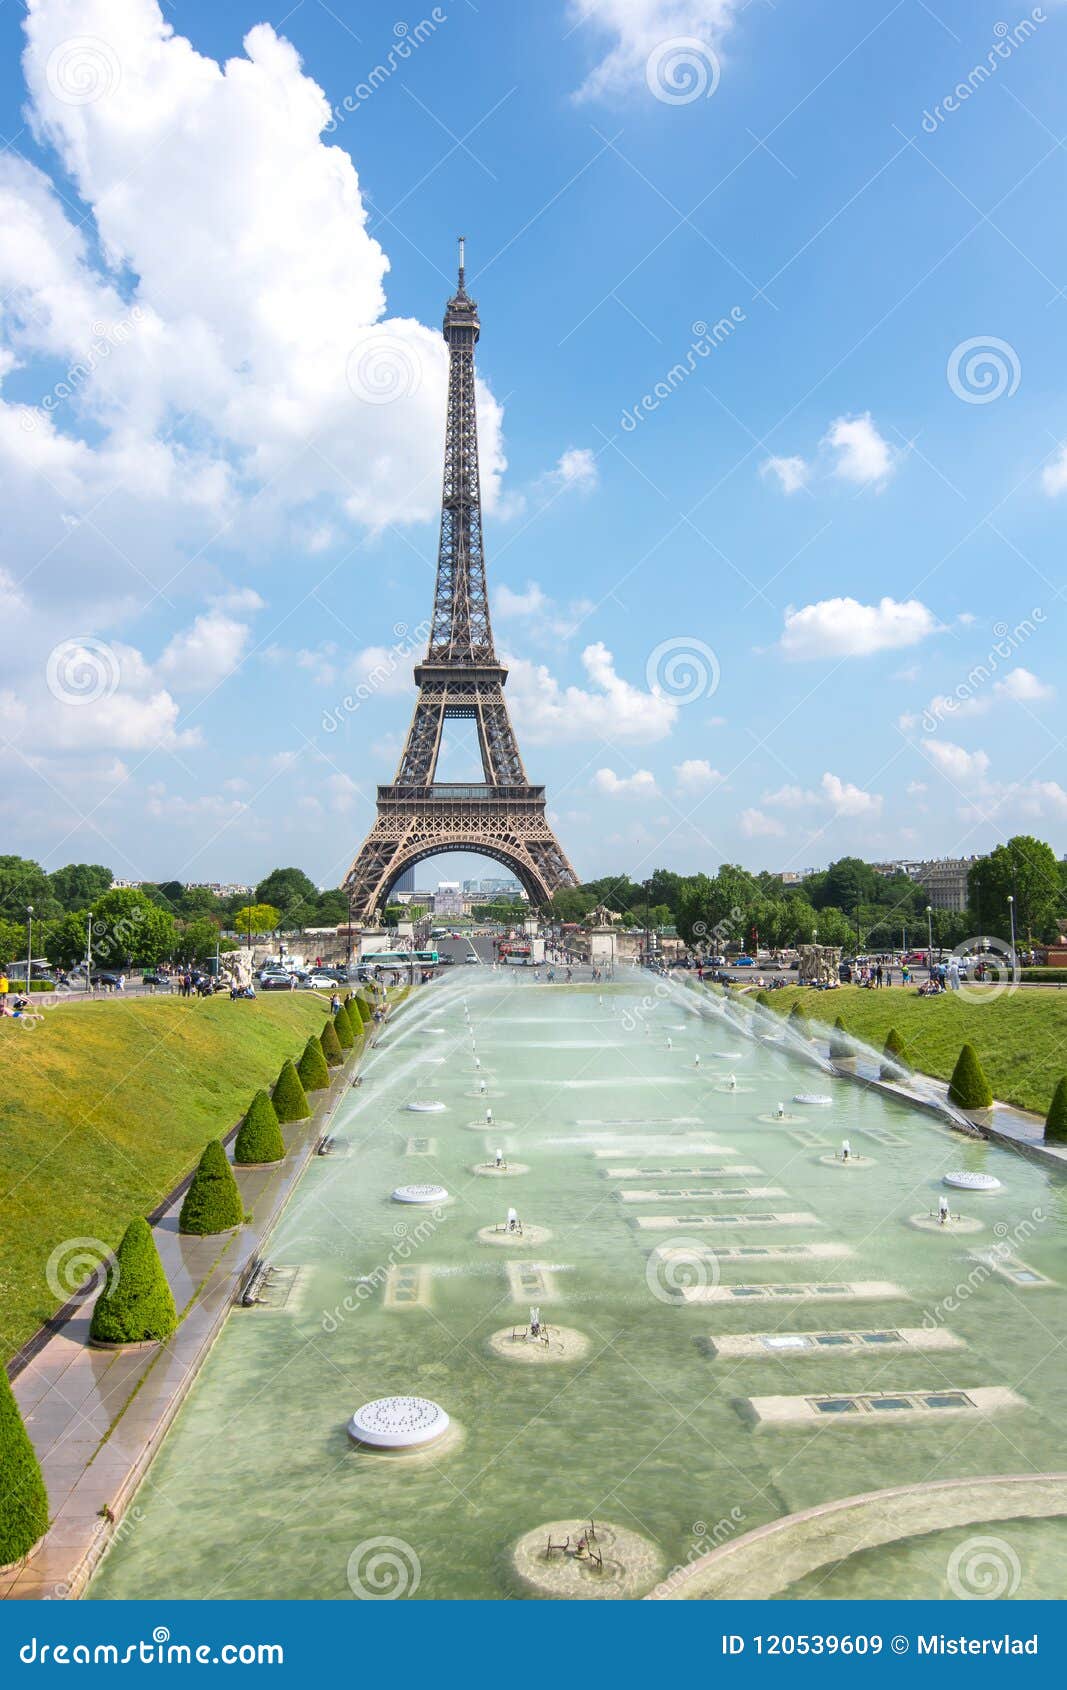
{"type": "Point", "coordinates": [595, 1127]}
{"type": "Point", "coordinates": [814, 1099]}
{"type": "Point", "coordinates": [398, 1423]}
{"type": "Point", "coordinates": [964, 1181]}
{"type": "Point", "coordinates": [420, 1194]}
{"type": "Point", "coordinates": [421, 1107]}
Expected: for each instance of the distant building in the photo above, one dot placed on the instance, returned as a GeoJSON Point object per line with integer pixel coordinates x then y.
{"type": "Point", "coordinates": [448, 899]}
{"type": "Point", "coordinates": [406, 883]}
{"type": "Point", "coordinates": [944, 880]}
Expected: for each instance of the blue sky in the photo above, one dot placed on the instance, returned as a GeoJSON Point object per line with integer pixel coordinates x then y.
{"type": "Point", "coordinates": [770, 593]}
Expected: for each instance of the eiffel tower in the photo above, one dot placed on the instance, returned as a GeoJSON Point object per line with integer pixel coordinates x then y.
{"type": "Point", "coordinates": [502, 816]}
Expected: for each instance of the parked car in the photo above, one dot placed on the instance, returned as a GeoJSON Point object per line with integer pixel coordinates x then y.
{"type": "Point", "coordinates": [274, 982]}
{"type": "Point", "coordinates": [152, 977]}
{"type": "Point", "coordinates": [744, 962]}
{"type": "Point", "coordinates": [319, 981]}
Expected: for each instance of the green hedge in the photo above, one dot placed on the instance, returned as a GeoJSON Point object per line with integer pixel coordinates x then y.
{"type": "Point", "coordinates": [288, 1097]}
{"type": "Point", "coordinates": [23, 1498]}
{"type": "Point", "coordinates": [136, 1305]}
{"type": "Point", "coordinates": [895, 1050]}
{"type": "Point", "coordinates": [213, 1202]}
{"type": "Point", "coordinates": [314, 1074]}
{"type": "Point", "coordinates": [331, 1046]}
{"type": "Point", "coordinates": [798, 1022]}
{"type": "Point", "coordinates": [259, 1138]}
{"type": "Point", "coordinates": [1053, 976]}
{"type": "Point", "coordinates": [1056, 1119]}
{"type": "Point", "coordinates": [968, 1087]}
{"type": "Point", "coordinates": [840, 1044]}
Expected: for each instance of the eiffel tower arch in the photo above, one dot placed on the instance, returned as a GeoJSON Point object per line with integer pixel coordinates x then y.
{"type": "Point", "coordinates": [503, 815]}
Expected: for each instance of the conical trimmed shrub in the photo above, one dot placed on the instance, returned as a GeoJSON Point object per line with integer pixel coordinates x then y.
{"type": "Point", "coordinates": [798, 1022]}
{"type": "Point", "coordinates": [764, 999]}
{"type": "Point", "coordinates": [259, 1138]}
{"type": "Point", "coordinates": [1056, 1119]}
{"type": "Point", "coordinates": [136, 1305]}
{"type": "Point", "coordinates": [23, 1498]}
{"type": "Point", "coordinates": [212, 1203]}
{"type": "Point", "coordinates": [288, 1098]}
{"type": "Point", "coordinates": [896, 1053]}
{"type": "Point", "coordinates": [314, 1074]}
{"type": "Point", "coordinates": [331, 1045]}
{"type": "Point", "coordinates": [342, 1026]}
{"type": "Point", "coordinates": [840, 1045]}
{"type": "Point", "coordinates": [968, 1087]}
{"type": "Point", "coordinates": [361, 1006]}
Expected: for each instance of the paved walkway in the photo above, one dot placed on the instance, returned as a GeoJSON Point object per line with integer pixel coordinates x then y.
{"type": "Point", "coordinates": [97, 1417]}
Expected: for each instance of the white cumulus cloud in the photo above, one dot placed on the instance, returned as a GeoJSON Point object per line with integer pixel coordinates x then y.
{"type": "Point", "coordinates": [756, 824]}
{"type": "Point", "coordinates": [843, 627]}
{"type": "Point", "coordinates": [638, 28]}
{"type": "Point", "coordinates": [696, 775]}
{"type": "Point", "coordinates": [611, 708]}
{"type": "Point", "coordinates": [792, 473]}
{"type": "Point", "coordinates": [641, 784]}
{"type": "Point", "coordinates": [864, 456]}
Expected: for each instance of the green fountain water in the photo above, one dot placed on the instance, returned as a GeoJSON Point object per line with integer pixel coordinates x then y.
{"type": "Point", "coordinates": [258, 1492]}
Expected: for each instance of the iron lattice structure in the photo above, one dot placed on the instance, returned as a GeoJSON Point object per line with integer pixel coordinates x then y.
{"type": "Point", "coordinates": [503, 816]}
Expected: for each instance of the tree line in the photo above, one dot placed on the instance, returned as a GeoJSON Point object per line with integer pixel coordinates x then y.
{"type": "Point", "coordinates": [848, 904]}
{"type": "Point", "coordinates": [158, 922]}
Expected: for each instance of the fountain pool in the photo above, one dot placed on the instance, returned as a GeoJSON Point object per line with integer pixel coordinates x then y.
{"type": "Point", "coordinates": [259, 1492]}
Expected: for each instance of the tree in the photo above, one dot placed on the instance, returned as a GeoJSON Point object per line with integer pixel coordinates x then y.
{"type": "Point", "coordinates": [77, 885]}
{"type": "Point", "coordinates": [331, 908]}
{"type": "Point", "coordinates": [895, 1053]}
{"type": "Point", "coordinates": [23, 1498]}
{"type": "Point", "coordinates": [65, 940]}
{"type": "Point", "coordinates": [196, 941]}
{"type": "Point", "coordinates": [13, 940]}
{"type": "Point", "coordinates": [24, 882]}
{"type": "Point", "coordinates": [968, 1087]}
{"type": "Point", "coordinates": [128, 927]}
{"type": "Point", "coordinates": [1027, 870]}
{"type": "Point", "coordinates": [285, 888]}
{"type": "Point", "coordinates": [259, 1138]}
{"type": "Point", "coordinates": [312, 1069]}
{"type": "Point", "coordinates": [254, 919]}
{"type": "Point", "coordinates": [849, 882]}
{"type": "Point", "coordinates": [342, 1026]}
{"type": "Point", "coordinates": [288, 1098]}
{"type": "Point", "coordinates": [213, 1202]}
{"type": "Point", "coordinates": [1056, 1119]}
{"type": "Point", "coordinates": [136, 1305]}
{"type": "Point", "coordinates": [331, 1045]}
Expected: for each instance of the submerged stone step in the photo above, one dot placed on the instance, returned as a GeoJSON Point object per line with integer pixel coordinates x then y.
{"type": "Point", "coordinates": [860, 1290]}
{"type": "Point", "coordinates": [664, 1223]}
{"type": "Point", "coordinates": [736, 1346]}
{"type": "Point", "coordinates": [868, 1407]}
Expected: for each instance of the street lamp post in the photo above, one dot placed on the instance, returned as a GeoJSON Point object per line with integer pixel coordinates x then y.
{"type": "Point", "coordinates": [29, 945]}
{"type": "Point", "coordinates": [89, 954]}
{"type": "Point", "coordinates": [929, 938]}
{"type": "Point", "coordinates": [1011, 915]}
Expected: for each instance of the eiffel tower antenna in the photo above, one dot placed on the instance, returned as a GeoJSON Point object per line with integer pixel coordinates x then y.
{"type": "Point", "coordinates": [502, 816]}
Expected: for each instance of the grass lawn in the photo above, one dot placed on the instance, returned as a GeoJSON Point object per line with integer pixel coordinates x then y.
{"type": "Point", "coordinates": [105, 1106]}
{"type": "Point", "coordinates": [1020, 1037]}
